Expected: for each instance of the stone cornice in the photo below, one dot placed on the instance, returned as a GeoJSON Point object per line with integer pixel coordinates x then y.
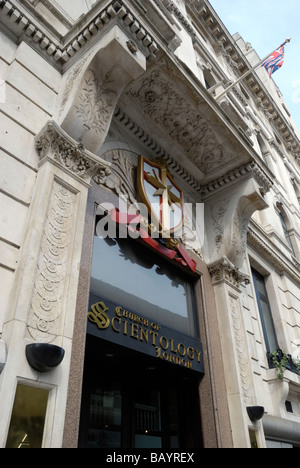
{"type": "Point", "coordinates": [259, 240]}
{"type": "Point", "coordinates": [58, 147]}
{"type": "Point", "coordinates": [251, 169]}
{"type": "Point", "coordinates": [62, 52]}
{"type": "Point", "coordinates": [82, 36]}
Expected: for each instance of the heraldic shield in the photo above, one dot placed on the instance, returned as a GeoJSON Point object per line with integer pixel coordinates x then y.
{"type": "Point", "coordinates": [162, 197]}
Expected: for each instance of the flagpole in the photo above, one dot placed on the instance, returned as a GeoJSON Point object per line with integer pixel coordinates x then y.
{"type": "Point", "coordinates": [249, 71]}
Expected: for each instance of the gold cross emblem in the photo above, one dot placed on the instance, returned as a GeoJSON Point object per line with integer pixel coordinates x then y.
{"type": "Point", "coordinates": [164, 185]}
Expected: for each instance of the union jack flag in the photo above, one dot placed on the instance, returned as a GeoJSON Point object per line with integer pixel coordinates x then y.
{"type": "Point", "coordinates": [275, 61]}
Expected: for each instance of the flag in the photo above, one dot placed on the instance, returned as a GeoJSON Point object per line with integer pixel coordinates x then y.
{"type": "Point", "coordinates": [275, 61]}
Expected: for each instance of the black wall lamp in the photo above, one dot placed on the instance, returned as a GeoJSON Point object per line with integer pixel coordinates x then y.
{"type": "Point", "coordinates": [255, 413]}
{"type": "Point", "coordinates": [44, 357]}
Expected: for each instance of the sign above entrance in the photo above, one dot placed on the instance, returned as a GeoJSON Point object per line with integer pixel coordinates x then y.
{"type": "Point", "coordinates": [113, 323]}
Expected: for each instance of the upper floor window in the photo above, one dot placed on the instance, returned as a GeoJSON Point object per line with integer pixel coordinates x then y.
{"type": "Point", "coordinates": [262, 146]}
{"type": "Point", "coordinates": [296, 188]}
{"type": "Point", "coordinates": [284, 223]}
{"type": "Point", "coordinates": [208, 78]}
{"type": "Point", "coordinates": [265, 311]}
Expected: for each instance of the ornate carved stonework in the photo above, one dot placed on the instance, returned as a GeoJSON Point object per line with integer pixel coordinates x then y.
{"type": "Point", "coordinates": [54, 144]}
{"type": "Point", "coordinates": [121, 181]}
{"type": "Point", "coordinates": [239, 236]}
{"type": "Point", "coordinates": [241, 348]}
{"type": "Point", "coordinates": [95, 104]}
{"type": "Point", "coordinates": [218, 211]}
{"type": "Point", "coordinates": [224, 270]}
{"type": "Point", "coordinates": [160, 99]}
{"type": "Point", "coordinates": [50, 280]}
{"type": "Point", "coordinates": [57, 243]}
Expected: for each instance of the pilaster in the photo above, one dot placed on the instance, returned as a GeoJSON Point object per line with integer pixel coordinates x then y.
{"type": "Point", "coordinates": [227, 290]}
{"type": "Point", "coordinates": [43, 301]}
{"type": "Point", "coordinates": [227, 216]}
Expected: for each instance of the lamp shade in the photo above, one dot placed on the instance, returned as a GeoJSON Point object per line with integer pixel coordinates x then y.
{"type": "Point", "coordinates": [255, 413]}
{"type": "Point", "coordinates": [44, 357]}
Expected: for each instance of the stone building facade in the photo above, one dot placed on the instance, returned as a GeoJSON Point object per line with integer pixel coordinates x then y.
{"type": "Point", "coordinates": [86, 89]}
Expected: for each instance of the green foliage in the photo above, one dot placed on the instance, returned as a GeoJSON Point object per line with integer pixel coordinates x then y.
{"type": "Point", "coordinates": [280, 361]}
{"type": "Point", "coordinates": [297, 365]}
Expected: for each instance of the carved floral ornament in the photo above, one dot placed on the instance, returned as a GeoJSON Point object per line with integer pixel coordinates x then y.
{"type": "Point", "coordinates": [160, 100]}
{"type": "Point", "coordinates": [54, 144]}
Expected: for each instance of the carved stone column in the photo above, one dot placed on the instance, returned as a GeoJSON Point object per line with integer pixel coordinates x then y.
{"type": "Point", "coordinates": [44, 297]}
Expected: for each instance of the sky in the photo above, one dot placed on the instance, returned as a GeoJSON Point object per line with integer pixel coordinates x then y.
{"type": "Point", "coordinates": [266, 24]}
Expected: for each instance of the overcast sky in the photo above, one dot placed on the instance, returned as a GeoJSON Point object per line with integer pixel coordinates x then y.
{"type": "Point", "coordinates": [266, 24]}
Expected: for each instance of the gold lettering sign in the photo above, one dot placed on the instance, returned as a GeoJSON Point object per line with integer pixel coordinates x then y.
{"type": "Point", "coordinates": [135, 327]}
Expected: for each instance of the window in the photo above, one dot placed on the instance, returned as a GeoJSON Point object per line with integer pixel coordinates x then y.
{"type": "Point", "coordinates": [262, 147]}
{"type": "Point", "coordinates": [265, 311]}
{"type": "Point", "coordinates": [253, 438]}
{"type": "Point", "coordinates": [133, 276]}
{"type": "Point", "coordinates": [28, 418]}
{"type": "Point", "coordinates": [208, 78]}
{"type": "Point", "coordinates": [296, 188]}
{"type": "Point", "coordinates": [283, 220]}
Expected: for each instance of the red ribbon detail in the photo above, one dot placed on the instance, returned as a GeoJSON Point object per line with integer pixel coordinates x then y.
{"type": "Point", "coordinates": [129, 220]}
{"type": "Point", "coordinates": [124, 218]}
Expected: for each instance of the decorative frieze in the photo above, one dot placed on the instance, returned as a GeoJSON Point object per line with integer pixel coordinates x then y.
{"type": "Point", "coordinates": [205, 191]}
{"type": "Point", "coordinates": [156, 149]}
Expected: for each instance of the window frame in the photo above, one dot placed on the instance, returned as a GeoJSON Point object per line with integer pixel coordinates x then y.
{"type": "Point", "coordinates": [192, 279]}
{"type": "Point", "coordinates": [264, 297]}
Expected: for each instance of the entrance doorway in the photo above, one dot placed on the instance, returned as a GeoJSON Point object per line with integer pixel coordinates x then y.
{"type": "Point", "coordinates": [131, 400]}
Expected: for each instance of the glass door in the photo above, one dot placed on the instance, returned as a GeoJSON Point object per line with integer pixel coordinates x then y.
{"type": "Point", "coordinates": [105, 416]}
{"type": "Point", "coordinates": [147, 405]}
{"type": "Point", "coordinates": [148, 419]}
